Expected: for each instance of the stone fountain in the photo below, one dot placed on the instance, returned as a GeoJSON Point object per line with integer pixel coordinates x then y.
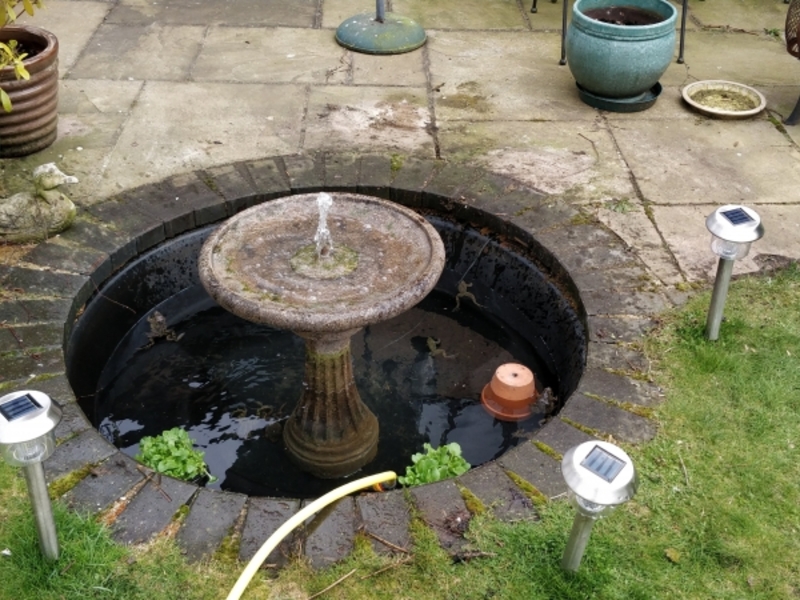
{"type": "Point", "coordinates": [324, 266]}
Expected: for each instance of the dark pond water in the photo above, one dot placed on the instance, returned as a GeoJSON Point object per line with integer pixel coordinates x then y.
{"type": "Point", "coordinates": [231, 384]}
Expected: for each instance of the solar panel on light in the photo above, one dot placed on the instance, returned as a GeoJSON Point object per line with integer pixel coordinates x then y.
{"type": "Point", "coordinates": [737, 216]}
{"type": "Point", "coordinates": [603, 464]}
{"type": "Point", "coordinates": [18, 407]}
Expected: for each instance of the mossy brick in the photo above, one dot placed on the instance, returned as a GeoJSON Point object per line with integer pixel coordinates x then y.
{"type": "Point", "coordinates": [488, 187]}
{"type": "Point", "coordinates": [411, 178]}
{"type": "Point", "coordinates": [269, 179]}
{"type": "Point", "coordinates": [546, 220]}
{"type": "Point", "coordinates": [490, 484]}
{"type": "Point", "coordinates": [330, 534]}
{"type": "Point", "coordinates": [376, 175]}
{"type": "Point", "coordinates": [616, 357]}
{"type": "Point", "coordinates": [387, 516]}
{"type": "Point", "coordinates": [46, 282]}
{"type": "Point", "coordinates": [181, 202]}
{"type": "Point", "coordinates": [234, 184]}
{"type": "Point", "coordinates": [560, 436]}
{"type": "Point", "coordinates": [306, 173]}
{"type": "Point", "coordinates": [628, 278]}
{"type": "Point", "coordinates": [211, 518]}
{"type": "Point", "coordinates": [440, 504]}
{"type": "Point", "coordinates": [87, 233]}
{"type": "Point", "coordinates": [26, 310]}
{"type": "Point", "coordinates": [73, 420]}
{"type": "Point", "coordinates": [21, 337]}
{"type": "Point", "coordinates": [608, 419]}
{"type": "Point", "coordinates": [535, 467]}
{"type": "Point", "coordinates": [151, 509]}
{"type": "Point", "coordinates": [625, 328]}
{"type": "Point", "coordinates": [624, 302]}
{"type": "Point", "coordinates": [21, 365]}
{"type": "Point", "coordinates": [599, 382]}
{"type": "Point", "coordinates": [84, 261]}
{"type": "Point", "coordinates": [56, 386]}
{"type": "Point", "coordinates": [341, 171]}
{"type": "Point", "coordinates": [104, 484]}
{"type": "Point", "coordinates": [264, 516]}
{"type": "Point", "coordinates": [586, 247]}
{"type": "Point", "coordinates": [85, 449]}
{"type": "Point", "coordinates": [450, 181]}
{"type": "Point", "coordinates": [138, 231]}
{"type": "Point", "coordinates": [164, 203]}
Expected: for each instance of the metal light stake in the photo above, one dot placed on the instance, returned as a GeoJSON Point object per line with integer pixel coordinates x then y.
{"type": "Point", "coordinates": [28, 420]}
{"type": "Point", "coordinates": [733, 228]}
{"type": "Point", "coordinates": [600, 476]}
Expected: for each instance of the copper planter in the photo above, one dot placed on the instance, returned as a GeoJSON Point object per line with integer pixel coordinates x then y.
{"type": "Point", "coordinates": [31, 125]}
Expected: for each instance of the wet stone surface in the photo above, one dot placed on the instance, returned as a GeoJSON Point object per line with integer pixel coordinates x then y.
{"type": "Point", "coordinates": [47, 294]}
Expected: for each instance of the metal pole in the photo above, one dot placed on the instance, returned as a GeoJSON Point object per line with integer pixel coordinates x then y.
{"type": "Point", "coordinates": [718, 296]}
{"type": "Point", "coordinates": [563, 60]}
{"type": "Point", "coordinates": [380, 10]}
{"type": "Point", "coordinates": [578, 538]}
{"type": "Point", "coordinates": [683, 31]}
{"type": "Point", "coordinates": [42, 511]}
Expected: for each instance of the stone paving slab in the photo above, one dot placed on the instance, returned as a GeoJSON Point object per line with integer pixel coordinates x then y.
{"type": "Point", "coordinates": [264, 516]}
{"type": "Point", "coordinates": [329, 535]}
{"type": "Point", "coordinates": [300, 13]}
{"type": "Point", "coordinates": [105, 484]}
{"type": "Point", "coordinates": [470, 14]}
{"type": "Point", "coordinates": [442, 508]}
{"type": "Point", "coordinates": [601, 383]}
{"type": "Point", "coordinates": [211, 518]}
{"type": "Point", "coordinates": [85, 449]}
{"type": "Point", "coordinates": [151, 509]}
{"type": "Point", "coordinates": [560, 437]}
{"type": "Point", "coordinates": [498, 493]}
{"type": "Point", "coordinates": [387, 516]}
{"type": "Point", "coordinates": [537, 468]}
{"type": "Point", "coordinates": [607, 419]}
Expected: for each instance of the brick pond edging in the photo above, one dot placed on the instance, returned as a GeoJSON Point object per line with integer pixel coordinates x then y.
{"type": "Point", "coordinates": [43, 295]}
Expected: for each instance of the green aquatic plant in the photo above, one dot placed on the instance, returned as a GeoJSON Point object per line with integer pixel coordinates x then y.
{"type": "Point", "coordinates": [172, 453]}
{"type": "Point", "coordinates": [435, 464]}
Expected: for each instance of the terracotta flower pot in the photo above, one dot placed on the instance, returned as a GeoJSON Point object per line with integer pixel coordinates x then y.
{"type": "Point", "coordinates": [510, 394]}
{"type": "Point", "coordinates": [31, 125]}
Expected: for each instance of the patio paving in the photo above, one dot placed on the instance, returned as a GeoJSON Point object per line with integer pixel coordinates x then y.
{"type": "Point", "coordinates": [210, 102]}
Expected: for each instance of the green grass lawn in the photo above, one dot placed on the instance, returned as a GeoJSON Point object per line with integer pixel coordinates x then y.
{"type": "Point", "coordinates": [717, 514]}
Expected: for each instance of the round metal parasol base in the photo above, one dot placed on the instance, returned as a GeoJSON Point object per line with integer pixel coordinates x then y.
{"type": "Point", "coordinates": [395, 35]}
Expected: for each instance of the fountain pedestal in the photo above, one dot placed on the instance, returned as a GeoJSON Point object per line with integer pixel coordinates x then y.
{"type": "Point", "coordinates": [383, 259]}
{"type": "Point", "coordinates": [331, 432]}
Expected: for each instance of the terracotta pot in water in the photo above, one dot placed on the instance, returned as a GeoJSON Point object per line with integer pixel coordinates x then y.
{"type": "Point", "coordinates": [510, 394]}
{"type": "Point", "coordinates": [32, 123]}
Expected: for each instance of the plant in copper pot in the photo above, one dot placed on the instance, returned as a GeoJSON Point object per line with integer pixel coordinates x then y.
{"type": "Point", "coordinates": [28, 82]}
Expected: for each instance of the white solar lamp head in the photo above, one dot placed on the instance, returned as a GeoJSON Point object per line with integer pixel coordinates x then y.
{"type": "Point", "coordinates": [600, 476]}
{"type": "Point", "coordinates": [733, 228]}
{"type": "Point", "coordinates": [28, 420]}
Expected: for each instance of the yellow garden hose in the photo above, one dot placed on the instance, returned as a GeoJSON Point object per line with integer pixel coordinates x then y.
{"type": "Point", "coordinates": [252, 567]}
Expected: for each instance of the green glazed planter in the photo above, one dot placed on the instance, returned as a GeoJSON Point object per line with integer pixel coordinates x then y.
{"type": "Point", "coordinates": [620, 61]}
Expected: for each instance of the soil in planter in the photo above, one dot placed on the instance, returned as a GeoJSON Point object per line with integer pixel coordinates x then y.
{"type": "Point", "coordinates": [724, 100]}
{"type": "Point", "coordinates": [624, 15]}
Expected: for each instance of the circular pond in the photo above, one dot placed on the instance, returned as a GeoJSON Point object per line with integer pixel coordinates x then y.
{"type": "Point", "coordinates": [152, 351]}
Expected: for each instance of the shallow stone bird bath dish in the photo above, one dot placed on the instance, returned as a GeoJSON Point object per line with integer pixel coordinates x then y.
{"type": "Point", "coordinates": [723, 99]}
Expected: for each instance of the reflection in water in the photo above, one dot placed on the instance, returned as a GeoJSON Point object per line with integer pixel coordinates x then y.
{"type": "Point", "coordinates": [232, 384]}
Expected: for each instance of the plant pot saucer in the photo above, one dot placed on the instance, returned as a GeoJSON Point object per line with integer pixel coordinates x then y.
{"type": "Point", "coordinates": [626, 105]}
{"type": "Point", "coordinates": [723, 89]}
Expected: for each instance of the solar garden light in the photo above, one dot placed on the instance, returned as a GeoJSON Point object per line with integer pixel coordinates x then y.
{"type": "Point", "coordinates": [733, 228]}
{"type": "Point", "coordinates": [600, 477]}
{"type": "Point", "coordinates": [28, 421]}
